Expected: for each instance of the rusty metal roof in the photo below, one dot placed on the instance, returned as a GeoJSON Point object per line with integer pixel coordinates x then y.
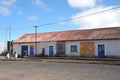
{"type": "Point", "coordinates": [86, 34]}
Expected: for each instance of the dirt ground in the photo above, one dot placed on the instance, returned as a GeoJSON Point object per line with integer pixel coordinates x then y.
{"type": "Point", "coordinates": [37, 70]}
{"type": "Point", "coordinates": [108, 61]}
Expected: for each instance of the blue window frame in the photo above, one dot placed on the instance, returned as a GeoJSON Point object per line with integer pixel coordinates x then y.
{"type": "Point", "coordinates": [73, 48]}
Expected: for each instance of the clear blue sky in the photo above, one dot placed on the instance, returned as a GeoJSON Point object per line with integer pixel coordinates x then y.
{"type": "Point", "coordinates": [22, 15]}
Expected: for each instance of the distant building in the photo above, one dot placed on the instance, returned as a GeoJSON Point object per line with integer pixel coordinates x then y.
{"type": "Point", "coordinates": [100, 42]}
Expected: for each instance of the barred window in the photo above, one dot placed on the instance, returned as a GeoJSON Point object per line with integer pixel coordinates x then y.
{"type": "Point", "coordinates": [73, 48]}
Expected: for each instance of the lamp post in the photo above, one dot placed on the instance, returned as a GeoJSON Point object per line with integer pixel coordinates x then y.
{"type": "Point", "coordinates": [35, 39]}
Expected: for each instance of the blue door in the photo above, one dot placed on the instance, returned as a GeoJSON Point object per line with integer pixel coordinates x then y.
{"type": "Point", "coordinates": [31, 51]}
{"type": "Point", "coordinates": [24, 50]}
{"type": "Point", "coordinates": [51, 54]}
{"type": "Point", "coordinates": [101, 51]}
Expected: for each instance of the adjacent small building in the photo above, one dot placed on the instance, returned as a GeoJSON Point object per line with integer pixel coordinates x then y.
{"type": "Point", "coordinates": [100, 42]}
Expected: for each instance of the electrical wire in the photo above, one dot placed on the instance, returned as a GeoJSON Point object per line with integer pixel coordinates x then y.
{"type": "Point", "coordinates": [79, 17]}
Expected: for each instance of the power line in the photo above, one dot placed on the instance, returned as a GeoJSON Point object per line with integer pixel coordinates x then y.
{"type": "Point", "coordinates": [79, 17]}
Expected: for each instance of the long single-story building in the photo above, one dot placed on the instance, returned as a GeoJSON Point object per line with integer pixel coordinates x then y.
{"type": "Point", "coordinates": [99, 42]}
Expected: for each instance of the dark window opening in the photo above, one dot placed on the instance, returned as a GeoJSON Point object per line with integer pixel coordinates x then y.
{"type": "Point", "coordinates": [73, 48]}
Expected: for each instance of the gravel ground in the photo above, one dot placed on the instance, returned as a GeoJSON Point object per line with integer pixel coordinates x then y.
{"type": "Point", "coordinates": [27, 70]}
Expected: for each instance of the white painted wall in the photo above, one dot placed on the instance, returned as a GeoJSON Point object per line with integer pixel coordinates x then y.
{"type": "Point", "coordinates": [112, 47]}
{"type": "Point", "coordinates": [68, 52]}
{"type": "Point", "coordinates": [16, 47]}
{"type": "Point", "coordinates": [46, 46]}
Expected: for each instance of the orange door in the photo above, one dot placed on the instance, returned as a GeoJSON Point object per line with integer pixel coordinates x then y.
{"type": "Point", "coordinates": [87, 49]}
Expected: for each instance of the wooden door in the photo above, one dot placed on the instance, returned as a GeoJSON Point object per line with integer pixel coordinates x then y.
{"type": "Point", "coordinates": [87, 49]}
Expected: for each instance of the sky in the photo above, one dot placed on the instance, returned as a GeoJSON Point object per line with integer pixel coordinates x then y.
{"type": "Point", "coordinates": [22, 15]}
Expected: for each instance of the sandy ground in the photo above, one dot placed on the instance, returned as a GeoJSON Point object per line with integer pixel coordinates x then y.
{"type": "Point", "coordinates": [30, 70]}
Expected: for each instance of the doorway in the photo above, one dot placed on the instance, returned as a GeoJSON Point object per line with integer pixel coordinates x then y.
{"type": "Point", "coordinates": [51, 51]}
{"type": "Point", "coordinates": [24, 50]}
{"type": "Point", "coordinates": [101, 51]}
{"type": "Point", "coordinates": [31, 50]}
{"type": "Point", "coordinates": [87, 49]}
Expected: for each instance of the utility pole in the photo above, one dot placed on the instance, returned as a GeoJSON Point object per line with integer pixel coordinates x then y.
{"type": "Point", "coordinates": [35, 39]}
{"type": "Point", "coordinates": [10, 40]}
{"type": "Point", "coordinates": [6, 38]}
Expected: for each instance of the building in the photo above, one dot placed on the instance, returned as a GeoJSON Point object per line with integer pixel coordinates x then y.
{"type": "Point", "coordinates": [99, 42]}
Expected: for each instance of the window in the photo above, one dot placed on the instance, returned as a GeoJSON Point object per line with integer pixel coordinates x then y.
{"type": "Point", "coordinates": [73, 48]}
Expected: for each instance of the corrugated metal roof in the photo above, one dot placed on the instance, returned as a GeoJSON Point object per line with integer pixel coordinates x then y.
{"type": "Point", "coordinates": [86, 34]}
